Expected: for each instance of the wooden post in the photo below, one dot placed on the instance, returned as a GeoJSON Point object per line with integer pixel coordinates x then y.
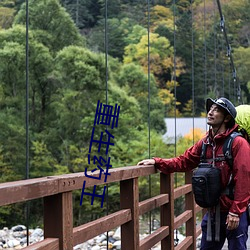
{"type": "Point", "coordinates": [190, 205]}
{"type": "Point", "coordinates": [58, 219]}
{"type": "Point", "coordinates": [167, 210]}
{"type": "Point", "coordinates": [129, 197]}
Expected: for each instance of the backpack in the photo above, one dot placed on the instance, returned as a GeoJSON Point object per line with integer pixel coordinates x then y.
{"type": "Point", "coordinates": [206, 179]}
{"type": "Point", "coordinates": [206, 185]}
{"type": "Point", "coordinates": [243, 120]}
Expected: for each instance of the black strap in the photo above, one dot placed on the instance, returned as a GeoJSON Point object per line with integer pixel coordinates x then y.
{"type": "Point", "coordinates": [203, 152]}
{"type": "Point", "coordinates": [227, 151]}
{"type": "Point", "coordinates": [227, 148]}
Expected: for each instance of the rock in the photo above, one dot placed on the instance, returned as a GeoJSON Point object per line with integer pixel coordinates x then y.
{"type": "Point", "coordinates": [95, 248]}
{"type": "Point", "coordinates": [103, 243]}
{"type": "Point", "coordinates": [16, 238]}
{"type": "Point", "coordinates": [3, 233]}
{"type": "Point", "coordinates": [81, 246]}
{"type": "Point", "coordinates": [111, 240]}
{"type": "Point", "coordinates": [38, 232]}
{"type": "Point", "coordinates": [18, 228]}
{"type": "Point", "coordinates": [117, 244]}
{"type": "Point", "coordinates": [117, 235]}
{"type": "Point", "coordinates": [18, 247]}
{"type": "Point", "coordinates": [111, 233]}
{"type": "Point", "coordinates": [100, 238]}
{"type": "Point", "coordinates": [13, 243]}
{"type": "Point", "coordinates": [19, 234]}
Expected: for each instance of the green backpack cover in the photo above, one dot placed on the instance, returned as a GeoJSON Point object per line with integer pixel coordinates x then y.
{"type": "Point", "coordinates": [243, 119]}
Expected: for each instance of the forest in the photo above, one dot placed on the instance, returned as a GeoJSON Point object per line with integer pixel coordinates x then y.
{"type": "Point", "coordinates": [154, 59]}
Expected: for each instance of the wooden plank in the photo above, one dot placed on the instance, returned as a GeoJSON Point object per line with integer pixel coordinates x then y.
{"type": "Point", "coordinates": [182, 218]}
{"type": "Point", "coordinates": [152, 203]}
{"type": "Point", "coordinates": [75, 181]}
{"type": "Point", "coordinates": [178, 192]}
{"type": "Point", "coordinates": [190, 205]}
{"type": "Point", "coordinates": [154, 238]}
{"type": "Point", "coordinates": [90, 230]}
{"type": "Point", "coordinates": [46, 244]}
{"type": "Point", "coordinates": [58, 219]}
{"type": "Point", "coordinates": [24, 190]}
{"type": "Point", "coordinates": [167, 210]}
{"type": "Point", "coordinates": [129, 196]}
{"type": "Point", "coordinates": [185, 244]}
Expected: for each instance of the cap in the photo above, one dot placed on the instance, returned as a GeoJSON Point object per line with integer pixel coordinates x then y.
{"type": "Point", "coordinates": [223, 103]}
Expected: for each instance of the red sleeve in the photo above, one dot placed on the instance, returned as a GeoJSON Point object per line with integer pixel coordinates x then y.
{"type": "Point", "coordinates": [183, 163]}
{"type": "Point", "coordinates": [241, 175]}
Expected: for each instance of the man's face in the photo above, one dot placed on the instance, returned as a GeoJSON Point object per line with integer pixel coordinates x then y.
{"type": "Point", "coordinates": [215, 116]}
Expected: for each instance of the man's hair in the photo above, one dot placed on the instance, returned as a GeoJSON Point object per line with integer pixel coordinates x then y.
{"type": "Point", "coordinates": [231, 122]}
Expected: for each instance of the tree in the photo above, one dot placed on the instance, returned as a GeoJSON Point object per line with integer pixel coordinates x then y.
{"type": "Point", "coordinates": [85, 13]}
{"type": "Point", "coordinates": [161, 57]}
{"type": "Point", "coordinates": [161, 16]}
{"type": "Point", "coordinates": [40, 60]}
{"type": "Point", "coordinates": [6, 17]}
{"type": "Point", "coordinates": [136, 82]}
{"type": "Point", "coordinates": [118, 32]}
{"type": "Point", "coordinates": [242, 65]}
{"type": "Point", "coordinates": [53, 25]}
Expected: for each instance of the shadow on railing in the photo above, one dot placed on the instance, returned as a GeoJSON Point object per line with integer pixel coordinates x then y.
{"type": "Point", "coordinates": [58, 209]}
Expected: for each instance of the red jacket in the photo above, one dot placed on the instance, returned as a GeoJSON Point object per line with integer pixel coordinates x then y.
{"type": "Point", "coordinates": [241, 167]}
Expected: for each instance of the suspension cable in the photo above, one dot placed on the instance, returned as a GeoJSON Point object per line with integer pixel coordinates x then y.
{"type": "Point", "coordinates": [215, 52]}
{"type": "Point", "coordinates": [174, 75]}
{"type": "Point", "coordinates": [149, 121]}
{"type": "Point", "coordinates": [106, 98]}
{"type": "Point", "coordinates": [27, 207]}
{"type": "Point", "coordinates": [229, 53]}
{"type": "Point", "coordinates": [205, 50]}
{"type": "Point", "coordinates": [175, 95]}
{"type": "Point", "coordinates": [192, 76]}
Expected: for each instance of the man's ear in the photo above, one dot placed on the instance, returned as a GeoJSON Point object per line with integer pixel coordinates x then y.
{"type": "Point", "coordinates": [228, 118]}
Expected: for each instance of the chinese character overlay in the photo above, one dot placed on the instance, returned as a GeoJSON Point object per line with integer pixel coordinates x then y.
{"type": "Point", "coordinates": [105, 115]}
{"type": "Point", "coordinates": [99, 167]}
{"type": "Point", "coordinates": [101, 140]}
{"type": "Point", "coordinates": [93, 195]}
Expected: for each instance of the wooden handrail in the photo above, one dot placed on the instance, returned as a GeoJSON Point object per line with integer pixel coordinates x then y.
{"type": "Point", "coordinates": [24, 190]}
{"type": "Point", "coordinates": [58, 209]}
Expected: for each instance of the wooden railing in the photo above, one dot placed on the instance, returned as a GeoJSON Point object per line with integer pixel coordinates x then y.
{"type": "Point", "coordinates": [59, 233]}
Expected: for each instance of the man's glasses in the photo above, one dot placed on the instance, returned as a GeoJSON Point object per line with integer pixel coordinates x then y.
{"type": "Point", "coordinates": [219, 101]}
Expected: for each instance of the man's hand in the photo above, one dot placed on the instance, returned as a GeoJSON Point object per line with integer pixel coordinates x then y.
{"type": "Point", "coordinates": [232, 221]}
{"type": "Point", "coordinates": [146, 162]}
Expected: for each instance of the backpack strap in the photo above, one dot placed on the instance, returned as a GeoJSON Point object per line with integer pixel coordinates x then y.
{"type": "Point", "coordinates": [227, 148]}
{"type": "Point", "coordinates": [227, 151]}
{"type": "Point", "coordinates": [203, 152]}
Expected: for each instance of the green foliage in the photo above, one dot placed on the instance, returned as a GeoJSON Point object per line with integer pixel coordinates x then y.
{"type": "Point", "coordinates": [136, 83]}
{"type": "Point", "coordinates": [242, 63]}
{"type": "Point", "coordinates": [85, 13]}
{"type": "Point", "coordinates": [53, 25]}
{"type": "Point", "coordinates": [6, 17]}
{"type": "Point", "coordinates": [42, 163]}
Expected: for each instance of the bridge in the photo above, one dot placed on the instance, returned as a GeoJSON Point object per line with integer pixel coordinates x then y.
{"type": "Point", "coordinates": [59, 233]}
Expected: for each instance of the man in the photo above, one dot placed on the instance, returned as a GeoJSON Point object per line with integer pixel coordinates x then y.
{"type": "Point", "coordinates": [221, 115]}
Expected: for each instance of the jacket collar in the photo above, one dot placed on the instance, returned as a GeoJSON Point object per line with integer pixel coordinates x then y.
{"type": "Point", "coordinates": [221, 136]}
